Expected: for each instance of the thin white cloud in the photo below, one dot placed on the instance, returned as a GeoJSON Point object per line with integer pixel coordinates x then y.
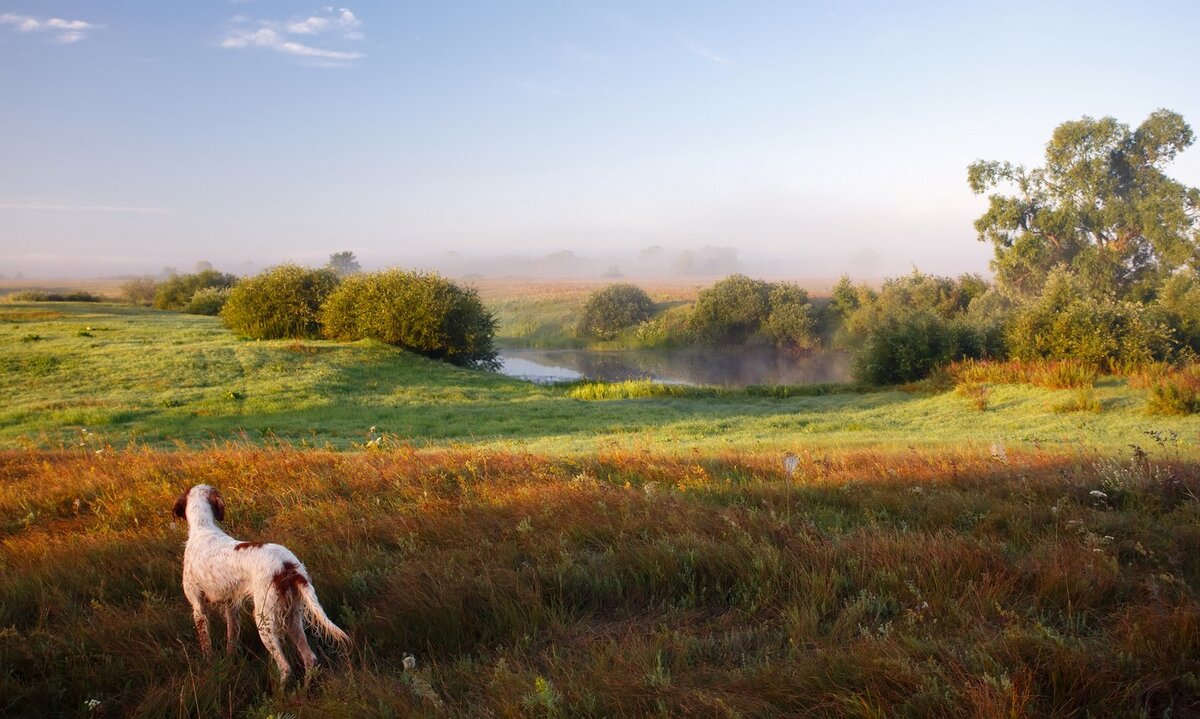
{"type": "Point", "coordinates": [43, 206]}
{"type": "Point", "coordinates": [698, 48]}
{"type": "Point", "coordinates": [62, 31]}
{"type": "Point", "coordinates": [332, 25]}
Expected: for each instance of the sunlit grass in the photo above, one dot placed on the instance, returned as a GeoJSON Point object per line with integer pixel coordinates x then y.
{"type": "Point", "coordinates": [956, 583]}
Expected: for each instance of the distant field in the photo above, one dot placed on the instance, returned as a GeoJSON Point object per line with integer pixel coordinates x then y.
{"type": "Point", "coordinates": [106, 287]}
{"type": "Point", "coordinates": [127, 374]}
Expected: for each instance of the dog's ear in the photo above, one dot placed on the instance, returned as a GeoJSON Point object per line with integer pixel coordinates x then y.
{"type": "Point", "coordinates": [217, 502]}
{"type": "Point", "coordinates": [181, 505]}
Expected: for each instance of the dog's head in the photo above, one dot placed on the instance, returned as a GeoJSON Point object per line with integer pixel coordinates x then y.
{"type": "Point", "coordinates": [203, 499]}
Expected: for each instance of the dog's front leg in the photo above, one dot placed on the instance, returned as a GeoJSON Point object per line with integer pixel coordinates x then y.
{"type": "Point", "coordinates": [195, 597]}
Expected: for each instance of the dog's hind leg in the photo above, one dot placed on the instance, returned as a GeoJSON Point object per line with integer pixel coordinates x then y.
{"type": "Point", "coordinates": [232, 629]}
{"type": "Point", "coordinates": [270, 618]}
{"type": "Point", "coordinates": [296, 632]}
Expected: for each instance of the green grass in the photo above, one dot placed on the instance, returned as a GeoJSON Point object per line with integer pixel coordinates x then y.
{"type": "Point", "coordinates": [130, 374]}
{"type": "Point", "coordinates": [538, 322]}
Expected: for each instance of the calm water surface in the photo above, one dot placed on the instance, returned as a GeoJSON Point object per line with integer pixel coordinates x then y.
{"type": "Point", "coordinates": [726, 367]}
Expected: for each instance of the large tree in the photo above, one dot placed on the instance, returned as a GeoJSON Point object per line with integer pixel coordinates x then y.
{"type": "Point", "coordinates": [343, 263]}
{"type": "Point", "coordinates": [1102, 206]}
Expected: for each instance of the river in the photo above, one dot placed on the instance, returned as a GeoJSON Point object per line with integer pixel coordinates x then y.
{"type": "Point", "coordinates": [728, 367]}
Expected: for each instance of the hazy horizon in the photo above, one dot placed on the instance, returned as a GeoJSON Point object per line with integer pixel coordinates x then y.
{"type": "Point", "coordinates": [812, 140]}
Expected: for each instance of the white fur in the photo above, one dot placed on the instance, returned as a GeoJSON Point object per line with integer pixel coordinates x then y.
{"type": "Point", "coordinates": [218, 570]}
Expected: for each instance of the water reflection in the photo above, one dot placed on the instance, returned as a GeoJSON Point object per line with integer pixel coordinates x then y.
{"type": "Point", "coordinates": [726, 367]}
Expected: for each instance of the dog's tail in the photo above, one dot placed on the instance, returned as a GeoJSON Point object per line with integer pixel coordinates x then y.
{"type": "Point", "coordinates": [318, 619]}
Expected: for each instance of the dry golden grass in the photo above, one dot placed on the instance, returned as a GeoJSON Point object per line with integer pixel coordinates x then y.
{"type": "Point", "coordinates": [623, 583]}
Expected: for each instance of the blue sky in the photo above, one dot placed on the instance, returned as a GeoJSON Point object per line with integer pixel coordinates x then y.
{"type": "Point", "coordinates": [813, 137]}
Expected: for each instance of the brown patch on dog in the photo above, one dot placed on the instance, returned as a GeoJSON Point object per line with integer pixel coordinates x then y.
{"type": "Point", "coordinates": [181, 505]}
{"type": "Point", "coordinates": [217, 502]}
{"type": "Point", "coordinates": [247, 545]}
{"type": "Point", "coordinates": [288, 579]}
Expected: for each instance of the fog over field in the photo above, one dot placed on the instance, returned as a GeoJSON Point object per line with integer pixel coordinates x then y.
{"type": "Point", "coordinates": [809, 139]}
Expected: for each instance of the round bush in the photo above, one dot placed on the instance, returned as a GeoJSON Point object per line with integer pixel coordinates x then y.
{"type": "Point", "coordinates": [613, 308]}
{"type": "Point", "coordinates": [731, 311]}
{"type": "Point", "coordinates": [420, 312]}
{"type": "Point", "coordinates": [283, 301]}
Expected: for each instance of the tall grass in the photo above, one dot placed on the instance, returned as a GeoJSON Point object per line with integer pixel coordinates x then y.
{"type": "Point", "coordinates": [1175, 391]}
{"type": "Point", "coordinates": [1051, 374]}
{"type": "Point", "coordinates": [641, 388]}
{"type": "Point", "coordinates": [621, 584]}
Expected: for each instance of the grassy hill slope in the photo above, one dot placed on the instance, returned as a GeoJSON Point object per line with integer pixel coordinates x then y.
{"type": "Point", "coordinates": [127, 374]}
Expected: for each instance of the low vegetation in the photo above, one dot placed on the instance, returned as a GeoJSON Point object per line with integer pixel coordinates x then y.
{"type": "Point", "coordinates": [986, 582]}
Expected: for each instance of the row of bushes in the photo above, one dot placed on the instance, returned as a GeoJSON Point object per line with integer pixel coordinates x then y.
{"type": "Point", "coordinates": [919, 323]}
{"type": "Point", "coordinates": [738, 310]}
{"type": "Point", "coordinates": [420, 312]}
{"type": "Point", "coordinates": [204, 291]}
{"type": "Point", "coordinates": [41, 296]}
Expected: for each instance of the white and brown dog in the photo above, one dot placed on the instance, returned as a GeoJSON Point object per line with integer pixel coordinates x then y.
{"type": "Point", "coordinates": [220, 571]}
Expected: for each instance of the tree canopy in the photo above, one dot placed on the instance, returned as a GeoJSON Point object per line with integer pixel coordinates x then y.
{"type": "Point", "coordinates": [343, 263]}
{"type": "Point", "coordinates": [1101, 205]}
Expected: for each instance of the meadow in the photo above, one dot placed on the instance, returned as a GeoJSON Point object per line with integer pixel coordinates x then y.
{"type": "Point", "coordinates": [587, 549]}
{"type": "Point", "coordinates": [131, 375]}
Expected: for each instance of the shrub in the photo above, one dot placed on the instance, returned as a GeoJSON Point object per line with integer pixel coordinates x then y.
{"type": "Point", "coordinates": [977, 394]}
{"type": "Point", "coordinates": [1176, 392]}
{"type": "Point", "coordinates": [731, 311]}
{"type": "Point", "coordinates": [613, 308]}
{"type": "Point", "coordinates": [1083, 399]}
{"type": "Point", "coordinates": [908, 345]}
{"type": "Point", "coordinates": [739, 309]}
{"type": "Point", "coordinates": [1066, 323]}
{"type": "Point", "coordinates": [283, 301]}
{"type": "Point", "coordinates": [420, 312]}
{"type": "Point", "coordinates": [140, 291]}
{"type": "Point", "coordinates": [207, 301]}
{"type": "Point", "coordinates": [791, 321]}
{"type": "Point", "coordinates": [1178, 307]}
{"type": "Point", "coordinates": [176, 292]}
{"type": "Point", "coordinates": [859, 309]}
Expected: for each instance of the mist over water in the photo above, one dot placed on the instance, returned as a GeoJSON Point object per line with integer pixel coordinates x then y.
{"type": "Point", "coordinates": [727, 367]}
